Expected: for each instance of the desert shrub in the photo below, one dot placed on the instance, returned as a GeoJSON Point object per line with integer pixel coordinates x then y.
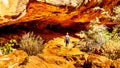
{"type": "Point", "coordinates": [112, 47]}
{"type": "Point", "coordinates": [98, 32]}
{"type": "Point", "coordinates": [115, 35]}
{"type": "Point", "coordinates": [1, 51]}
{"type": "Point", "coordinates": [98, 37]}
{"type": "Point", "coordinates": [115, 16]}
{"type": "Point", "coordinates": [94, 37]}
{"type": "Point", "coordinates": [8, 47]}
{"type": "Point", "coordinates": [116, 9]}
{"type": "Point", "coordinates": [31, 44]}
{"type": "Point", "coordinates": [87, 45]}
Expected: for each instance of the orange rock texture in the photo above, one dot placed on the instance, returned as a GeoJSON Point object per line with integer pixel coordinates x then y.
{"type": "Point", "coordinates": [65, 15]}
{"type": "Point", "coordinates": [13, 60]}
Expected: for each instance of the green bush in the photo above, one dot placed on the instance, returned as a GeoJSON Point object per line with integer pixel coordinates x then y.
{"type": "Point", "coordinates": [112, 47]}
{"type": "Point", "coordinates": [115, 16]}
{"type": "Point", "coordinates": [8, 47]}
{"type": "Point", "coordinates": [116, 9]}
{"type": "Point", "coordinates": [94, 37]}
{"type": "Point", "coordinates": [31, 44]}
{"type": "Point", "coordinates": [98, 37]}
{"type": "Point", "coordinates": [115, 35]}
{"type": "Point", "coordinates": [1, 50]}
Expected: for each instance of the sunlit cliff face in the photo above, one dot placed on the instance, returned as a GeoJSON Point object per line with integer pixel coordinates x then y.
{"type": "Point", "coordinates": [12, 7]}
{"type": "Point", "coordinates": [73, 3]}
{"type": "Point", "coordinates": [49, 11]}
{"type": "Point", "coordinates": [6, 3]}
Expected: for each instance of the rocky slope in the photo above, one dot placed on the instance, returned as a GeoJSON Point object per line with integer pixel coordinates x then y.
{"type": "Point", "coordinates": [13, 59]}
{"type": "Point", "coordinates": [56, 55]}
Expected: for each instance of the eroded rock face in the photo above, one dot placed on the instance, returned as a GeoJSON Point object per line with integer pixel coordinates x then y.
{"type": "Point", "coordinates": [44, 61]}
{"type": "Point", "coordinates": [13, 59]}
{"type": "Point", "coordinates": [97, 61]}
{"type": "Point", "coordinates": [46, 14]}
{"type": "Point", "coordinates": [12, 7]}
{"type": "Point", "coordinates": [116, 63]}
{"type": "Point", "coordinates": [73, 3]}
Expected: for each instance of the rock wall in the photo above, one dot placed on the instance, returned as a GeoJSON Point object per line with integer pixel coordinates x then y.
{"type": "Point", "coordinates": [50, 12]}
{"type": "Point", "coordinates": [12, 7]}
{"type": "Point", "coordinates": [73, 3]}
{"type": "Point", "coordinates": [13, 59]}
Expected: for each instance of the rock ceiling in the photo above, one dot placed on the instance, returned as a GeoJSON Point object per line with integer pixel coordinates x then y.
{"type": "Point", "coordinates": [63, 12]}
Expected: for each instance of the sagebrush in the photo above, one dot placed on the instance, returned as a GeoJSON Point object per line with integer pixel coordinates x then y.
{"type": "Point", "coordinates": [94, 37]}
{"type": "Point", "coordinates": [98, 37]}
{"type": "Point", "coordinates": [115, 16]}
{"type": "Point", "coordinates": [31, 43]}
{"type": "Point", "coordinates": [112, 47]}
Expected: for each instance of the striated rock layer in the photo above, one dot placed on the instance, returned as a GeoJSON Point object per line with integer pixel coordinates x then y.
{"type": "Point", "coordinates": [48, 13]}
{"type": "Point", "coordinates": [73, 3]}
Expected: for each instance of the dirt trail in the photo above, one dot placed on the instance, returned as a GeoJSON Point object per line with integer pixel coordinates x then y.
{"type": "Point", "coordinates": [57, 47]}
{"type": "Point", "coordinates": [60, 40]}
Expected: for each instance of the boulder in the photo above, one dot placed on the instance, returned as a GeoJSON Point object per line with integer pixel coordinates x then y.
{"type": "Point", "coordinates": [46, 61]}
{"type": "Point", "coordinates": [12, 7]}
{"type": "Point", "coordinates": [73, 3]}
{"type": "Point", "coordinates": [116, 64]}
{"type": "Point", "coordinates": [97, 61]}
{"type": "Point", "coordinates": [13, 59]}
